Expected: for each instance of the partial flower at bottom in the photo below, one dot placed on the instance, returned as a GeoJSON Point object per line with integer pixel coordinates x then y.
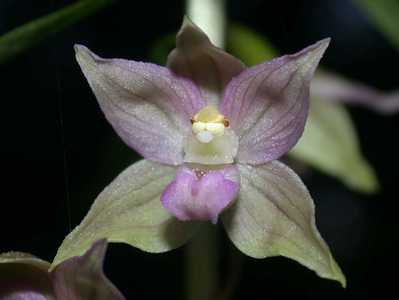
{"type": "Point", "coordinates": [25, 277]}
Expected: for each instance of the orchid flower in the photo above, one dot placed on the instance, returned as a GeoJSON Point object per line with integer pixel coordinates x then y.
{"type": "Point", "coordinates": [25, 277]}
{"type": "Point", "coordinates": [210, 131]}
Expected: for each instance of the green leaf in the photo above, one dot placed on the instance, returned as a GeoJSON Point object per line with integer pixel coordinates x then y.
{"type": "Point", "coordinates": [330, 144]}
{"type": "Point", "coordinates": [161, 48]}
{"type": "Point", "coordinates": [26, 36]}
{"type": "Point", "coordinates": [384, 14]}
{"type": "Point", "coordinates": [248, 45]}
{"type": "Point", "coordinates": [129, 211]}
{"type": "Point", "coordinates": [274, 215]}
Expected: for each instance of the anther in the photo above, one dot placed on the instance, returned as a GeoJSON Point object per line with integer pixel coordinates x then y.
{"type": "Point", "coordinates": [208, 123]}
{"type": "Point", "coordinates": [226, 122]}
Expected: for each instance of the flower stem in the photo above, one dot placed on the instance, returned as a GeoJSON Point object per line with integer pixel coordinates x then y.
{"type": "Point", "coordinates": [201, 265]}
{"type": "Point", "coordinates": [210, 16]}
{"type": "Point", "coordinates": [202, 255]}
{"type": "Point", "coordinates": [233, 276]}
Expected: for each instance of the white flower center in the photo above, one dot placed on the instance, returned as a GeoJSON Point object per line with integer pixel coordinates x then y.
{"type": "Point", "coordinates": [208, 123]}
{"type": "Point", "coordinates": [212, 142]}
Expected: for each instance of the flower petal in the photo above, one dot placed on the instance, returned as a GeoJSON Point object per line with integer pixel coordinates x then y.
{"type": "Point", "coordinates": [274, 215]}
{"type": "Point", "coordinates": [82, 277]}
{"type": "Point", "coordinates": [148, 106]}
{"type": "Point", "coordinates": [208, 66]}
{"type": "Point", "coordinates": [194, 195]}
{"type": "Point", "coordinates": [129, 211]}
{"type": "Point", "coordinates": [333, 88]}
{"type": "Point", "coordinates": [267, 104]}
{"type": "Point", "coordinates": [330, 144]}
{"type": "Point", "coordinates": [23, 276]}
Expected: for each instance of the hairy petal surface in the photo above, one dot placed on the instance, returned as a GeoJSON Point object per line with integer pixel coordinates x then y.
{"type": "Point", "coordinates": [330, 87]}
{"type": "Point", "coordinates": [208, 66]}
{"type": "Point", "coordinates": [82, 277]}
{"type": "Point", "coordinates": [201, 195]}
{"type": "Point", "coordinates": [274, 215]}
{"type": "Point", "coordinates": [330, 144]}
{"type": "Point", "coordinates": [147, 105]}
{"type": "Point", "coordinates": [24, 277]}
{"type": "Point", "coordinates": [129, 210]}
{"type": "Point", "coordinates": [267, 104]}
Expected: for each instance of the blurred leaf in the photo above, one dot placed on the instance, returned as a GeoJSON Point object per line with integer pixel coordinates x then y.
{"type": "Point", "coordinates": [129, 211]}
{"type": "Point", "coordinates": [26, 36]}
{"type": "Point", "coordinates": [330, 142]}
{"type": "Point", "coordinates": [248, 45]}
{"type": "Point", "coordinates": [161, 48]}
{"type": "Point", "coordinates": [335, 88]}
{"type": "Point", "coordinates": [385, 15]}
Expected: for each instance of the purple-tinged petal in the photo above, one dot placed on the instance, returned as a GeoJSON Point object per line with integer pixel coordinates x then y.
{"type": "Point", "coordinates": [267, 104]}
{"type": "Point", "coordinates": [274, 215]}
{"type": "Point", "coordinates": [201, 195]}
{"type": "Point", "coordinates": [24, 277]}
{"type": "Point", "coordinates": [330, 87]}
{"type": "Point", "coordinates": [148, 106]}
{"type": "Point", "coordinates": [208, 66]}
{"type": "Point", "coordinates": [82, 277]}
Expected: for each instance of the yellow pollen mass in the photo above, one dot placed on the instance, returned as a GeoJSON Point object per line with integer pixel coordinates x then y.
{"type": "Point", "coordinates": [209, 114]}
{"type": "Point", "coordinates": [208, 123]}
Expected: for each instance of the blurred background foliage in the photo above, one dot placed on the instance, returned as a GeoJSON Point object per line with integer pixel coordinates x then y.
{"type": "Point", "coordinates": [58, 152]}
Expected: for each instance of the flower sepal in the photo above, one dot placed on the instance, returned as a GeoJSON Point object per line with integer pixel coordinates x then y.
{"type": "Point", "coordinates": [23, 276]}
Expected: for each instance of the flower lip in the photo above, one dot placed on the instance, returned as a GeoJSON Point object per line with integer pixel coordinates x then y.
{"type": "Point", "coordinates": [199, 193]}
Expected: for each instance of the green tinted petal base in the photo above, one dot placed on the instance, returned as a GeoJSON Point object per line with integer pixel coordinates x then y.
{"type": "Point", "coordinates": [129, 211]}
{"type": "Point", "coordinates": [275, 215]}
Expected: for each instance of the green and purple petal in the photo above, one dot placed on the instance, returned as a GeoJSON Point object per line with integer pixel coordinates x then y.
{"type": "Point", "coordinates": [201, 194]}
{"type": "Point", "coordinates": [129, 211]}
{"type": "Point", "coordinates": [196, 58]}
{"type": "Point", "coordinates": [147, 105]}
{"type": "Point", "coordinates": [82, 277]}
{"type": "Point", "coordinates": [267, 104]}
{"type": "Point", "coordinates": [274, 215]}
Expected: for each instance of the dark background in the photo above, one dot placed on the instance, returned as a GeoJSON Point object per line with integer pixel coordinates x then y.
{"type": "Point", "coordinates": [58, 152]}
